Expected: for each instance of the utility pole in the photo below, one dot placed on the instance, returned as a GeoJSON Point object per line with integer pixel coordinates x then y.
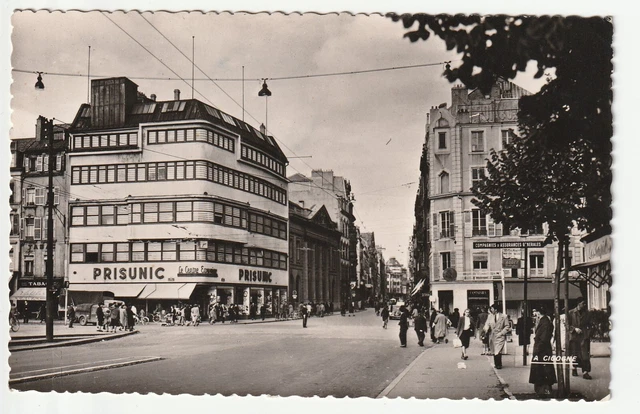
{"type": "Point", "coordinates": [44, 130]}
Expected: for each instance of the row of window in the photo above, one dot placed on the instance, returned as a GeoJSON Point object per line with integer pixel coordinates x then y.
{"type": "Point", "coordinates": [477, 175]}
{"type": "Point", "coordinates": [178, 212]}
{"type": "Point", "coordinates": [34, 227]}
{"type": "Point", "coordinates": [124, 139]}
{"type": "Point", "coordinates": [480, 225]}
{"type": "Point", "coordinates": [38, 196]}
{"type": "Point", "coordinates": [263, 159]}
{"type": "Point", "coordinates": [171, 251]}
{"type": "Point", "coordinates": [481, 260]}
{"type": "Point", "coordinates": [40, 163]}
{"type": "Point", "coordinates": [477, 140]}
{"type": "Point", "coordinates": [192, 135]}
{"type": "Point", "coordinates": [177, 170]}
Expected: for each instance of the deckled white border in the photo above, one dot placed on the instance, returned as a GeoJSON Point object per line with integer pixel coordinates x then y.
{"type": "Point", "coordinates": [625, 366]}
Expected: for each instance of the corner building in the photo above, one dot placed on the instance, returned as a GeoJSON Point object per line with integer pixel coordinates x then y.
{"type": "Point", "coordinates": [174, 201]}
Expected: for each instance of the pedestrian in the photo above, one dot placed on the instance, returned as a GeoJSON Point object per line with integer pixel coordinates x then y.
{"type": "Point", "coordinates": [404, 326]}
{"type": "Point", "coordinates": [115, 317]}
{"type": "Point", "coordinates": [497, 327]}
{"type": "Point", "coordinates": [236, 313]}
{"type": "Point", "coordinates": [343, 309]}
{"type": "Point", "coordinates": [123, 317]}
{"type": "Point", "coordinates": [420, 326]}
{"type": "Point", "coordinates": [100, 316]}
{"type": "Point", "coordinates": [439, 326]}
{"type": "Point", "coordinates": [454, 318]}
{"type": "Point", "coordinates": [107, 318]}
{"type": "Point", "coordinates": [186, 313]}
{"type": "Point", "coordinates": [71, 314]}
{"type": "Point", "coordinates": [484, 337]}
{"type": "Point", "coordinates": [432, 318]}
{"type": "Point", "coordinates": [580, 338]}
{"type": "Point", "coordinates": [542, 375]}
{"type": "Point", "coordinates": [130, 319]}
{"type": "Point", "coordinates": [524, 328]}
{"type": "Point", "coordinates": [291, 310]}
{"type": "Point", "coordinates": [25, 313]}
{"type": "Point", "coordinates": [42, 313]}
{"type": "Point", "coordinates": [464, 331]}
{"type": "Point", "coordinates": [385, 316]}
{"type": "Point", "coordinates": [263, 311]}
{"type": "Point", "coordinates": [223, 312]}
{"type": "Point", "coordinates": [232, 313]}
{"type": "Point", "coordinates": [309, 309]}
{"type": "Point", "coordinates": [195, 315]}
{"type": "Point", "coordinates": [252, 311]}
{"type": "Point", "coordinates": [304, 311]}
{"type": "Point", "coordinates": [376, 306]}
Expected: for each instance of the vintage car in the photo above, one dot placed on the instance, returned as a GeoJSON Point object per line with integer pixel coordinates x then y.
{"type": "Point", "coordinates": [86, 312]}
{"type": "Point", "coordinates": [394, 312]}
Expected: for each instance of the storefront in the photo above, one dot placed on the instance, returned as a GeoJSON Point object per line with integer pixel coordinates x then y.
{"type": "Point", "coordinates": [596, 271]}
{"type": "Point", "coordinates": [155, 286]}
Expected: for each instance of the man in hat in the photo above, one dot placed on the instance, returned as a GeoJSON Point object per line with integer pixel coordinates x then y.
{"type": "Point", "coordinates": [580, 338]}
{"type": "Point", "coordinates": [497, 326]}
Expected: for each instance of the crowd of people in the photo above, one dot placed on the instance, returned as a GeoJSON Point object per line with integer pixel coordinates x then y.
{"type": "Point", "coordinates": [493, 328]}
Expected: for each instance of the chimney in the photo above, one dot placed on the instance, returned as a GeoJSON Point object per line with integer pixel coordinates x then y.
{"type": "Point", "coordinates": [153, 97]}
{"type": "Point", "coordinates": [263, 129]}
{"type": "Point", "coordinates": [176, 94]}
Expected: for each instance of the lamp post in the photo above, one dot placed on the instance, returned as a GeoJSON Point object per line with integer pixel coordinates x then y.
{"type": "Point", "coordinates": [266, 93]}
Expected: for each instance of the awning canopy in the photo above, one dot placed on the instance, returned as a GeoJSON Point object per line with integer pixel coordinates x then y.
{"type": "Point", "coordinates": [595, 272]}
{"type": "Point", "coordinates": [33, 294]}
{"type": "Point", "coordinates": [124, 290]}
{"type": "Point", "coordinates": [417, 288]}
{"type": "Point", "coordinates": [168, 291]}
{"type": "Point", "coordinates": [588, 264]}
{"type": "Point", "coordinates": [536, 291]}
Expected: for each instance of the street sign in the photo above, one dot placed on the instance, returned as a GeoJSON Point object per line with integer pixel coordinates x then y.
{"type": "Point", "coordinates": [507, 245]}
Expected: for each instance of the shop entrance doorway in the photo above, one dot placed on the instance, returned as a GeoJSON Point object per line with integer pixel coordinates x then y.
{"type": "Point", "coordinates": [445, 301]}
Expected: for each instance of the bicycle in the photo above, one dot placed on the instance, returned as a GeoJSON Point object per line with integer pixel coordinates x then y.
{"type": "Point", "coordinates": [140, 321]}
{"type": "Point", "coordinates": [14, 323]}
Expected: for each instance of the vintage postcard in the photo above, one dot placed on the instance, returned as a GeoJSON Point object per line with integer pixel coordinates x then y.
{"type": "Point", "coordinates": [386, 205]}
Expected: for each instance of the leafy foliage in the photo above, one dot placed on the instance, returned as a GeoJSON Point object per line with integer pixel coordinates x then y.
{"type": "Point", "coordinates": [559, 171]}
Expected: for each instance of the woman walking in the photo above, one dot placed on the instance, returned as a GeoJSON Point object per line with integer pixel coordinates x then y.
{"type": "Point", "coordinates": [440, 327]}
{"type": "Point", "coordinates": [542, 375]}
{"type": "Point", "coordinates": [385, 316]}
{"type": "Point", "coordinates": [465, 331]}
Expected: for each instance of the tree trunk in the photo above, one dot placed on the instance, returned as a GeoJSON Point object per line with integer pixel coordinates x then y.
{"type": "Point", "coordinates": [556, 305]}
{"type": "Point", "coordinates": [567, 367]}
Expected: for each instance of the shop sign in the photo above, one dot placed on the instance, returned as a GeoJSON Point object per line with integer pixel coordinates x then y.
{"type": "Point", "coordinates": [247, 275]}
{"type": "Point", "coordinates": [197, 271]}
{"type": "Point", "coordinates": [504, 245]}
{"type": "Point", "coordinates": [131, 273]}
{"type": "Point", "coordinates": [33, 283]}
{"type": "Point", "coordinates": [598, 249]}
{"type": "Point", "coordinates": [510, 263]}
{"type": "Point", "coordinates": [478, 294]}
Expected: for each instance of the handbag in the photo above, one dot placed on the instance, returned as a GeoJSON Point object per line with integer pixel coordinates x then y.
{"type": "Point", "coordinates": [457, 343]}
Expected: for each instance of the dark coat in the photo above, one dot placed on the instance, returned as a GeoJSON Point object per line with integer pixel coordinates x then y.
{"type": "Point", "coordinates": [130, 319]}
{"type": "Point", "coordinates": [523, 330]}
{"type": "Point", "coordinates": [420, 323]}
{"type": "Point", "coordinates": [404, 320]}
{"type": "Point", "coordinates": [385, 313]}
{"type": "Point", "coordinates": [542, 374]}
{"type": "Point", "coordinates": [460, 326]}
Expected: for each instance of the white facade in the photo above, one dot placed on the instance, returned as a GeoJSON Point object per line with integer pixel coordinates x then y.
{"type": "Point", "coordinates": [185, 208]}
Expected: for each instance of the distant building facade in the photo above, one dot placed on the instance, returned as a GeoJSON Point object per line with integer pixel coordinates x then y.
{"type": "Point", "coordinates": [314, 256]}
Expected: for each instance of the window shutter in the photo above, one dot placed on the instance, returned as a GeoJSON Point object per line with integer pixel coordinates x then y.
{"type": "Point", "coordinates": [56, 196]}
{"type": "Point", "coordinates": [39, 163]}
{"type": "Point", "coordinates": [39, 196]}
{"type": "Point", "coordinates": [453, 260]}
{"type": "Point", "coordinates": [499, 229]}
{"type": "Point", "coordinates": [24, 195]}
{"type": "Point", "coordinates": [452, 225]}
{"type": "Point", "coordinates": [491, 227]}
{"type": "Point", "coordinates": [545, 228]}
{"type": "Point", "coordinates": [22, 228]}
{"type": "Point", "coordinates": [467, 224]}
{"type": "Point", "coordinates": [436, 268]}
{"type": "Point", "coordinates": [37, 228]}
{"type": "Point", "coordinates": [436, 226]}
{"type": "Point", "coordinates": [58, 163]}
{"type": "Point", "coordinates": [25, 163]}
{"type": "Point", "coordinates": [45, 163]}
{"type": "Point", "coordinates": [45, 235]}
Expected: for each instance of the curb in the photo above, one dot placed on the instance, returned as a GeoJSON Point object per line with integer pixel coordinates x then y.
{"type": "Point", "coordinates": [505, 385]}
{"type": "Point", "coordinates": [83, 370]}
{"type": "Point", "coordinates": [82, 341]}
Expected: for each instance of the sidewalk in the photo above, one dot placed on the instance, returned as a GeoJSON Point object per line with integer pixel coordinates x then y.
{"type": "Point", "coordinates": [516, 376]}
{"type": "Point", "coordinates": [438, 372]}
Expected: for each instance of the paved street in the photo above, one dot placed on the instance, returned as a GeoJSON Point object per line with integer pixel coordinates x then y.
{"type": "Point", "coordinates": [339, 356]}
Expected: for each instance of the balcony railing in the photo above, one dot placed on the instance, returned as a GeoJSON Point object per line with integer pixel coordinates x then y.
{"type": "Point", "coordinates": [480, 275]}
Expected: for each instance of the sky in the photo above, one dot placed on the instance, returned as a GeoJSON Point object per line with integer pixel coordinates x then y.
{"type": "Point", "coordinates": [368, 128]}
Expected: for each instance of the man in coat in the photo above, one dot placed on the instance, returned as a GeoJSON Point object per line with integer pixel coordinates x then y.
{"type": "Point", "coordinates": [580, 338]}
{"type": "Point", "coordinates": [404, 326]}
{"type": "Point", "coordinates": [432, 318]}
{"type": "Point", "coordinates": [420, 326]}
{"type": "Point", "coordinates": [542, 375]}
{"type": "Point", "coordinates": [305, 315]}
{"type": "Point", "coordinates": [497, 326]}
{"type": "Point", "coordinates": [439, 327]}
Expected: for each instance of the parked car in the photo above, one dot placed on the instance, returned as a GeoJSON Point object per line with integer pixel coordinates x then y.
{"type": "Point", "coordinates": [86, 312]}
{"type": "Point", "coordinates": [395, 312]}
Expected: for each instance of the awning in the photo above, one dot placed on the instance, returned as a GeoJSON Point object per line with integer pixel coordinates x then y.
{"type": "Point", "coordinates": [536, 291]}
{"type": "Point", "coordinates": [588, 264]}
{"type": "Point", "coordinates": [417, 288]}
{"type": "Point", "coordinates": [168, 291]}
{"type": "Point", "coordinates": [34, 294]}
{"type": "Point", "coordinates": [124, 290]}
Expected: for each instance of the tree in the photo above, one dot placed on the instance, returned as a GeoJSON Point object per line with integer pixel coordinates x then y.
{"type": "Point", "coordinates": [559, 170]}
